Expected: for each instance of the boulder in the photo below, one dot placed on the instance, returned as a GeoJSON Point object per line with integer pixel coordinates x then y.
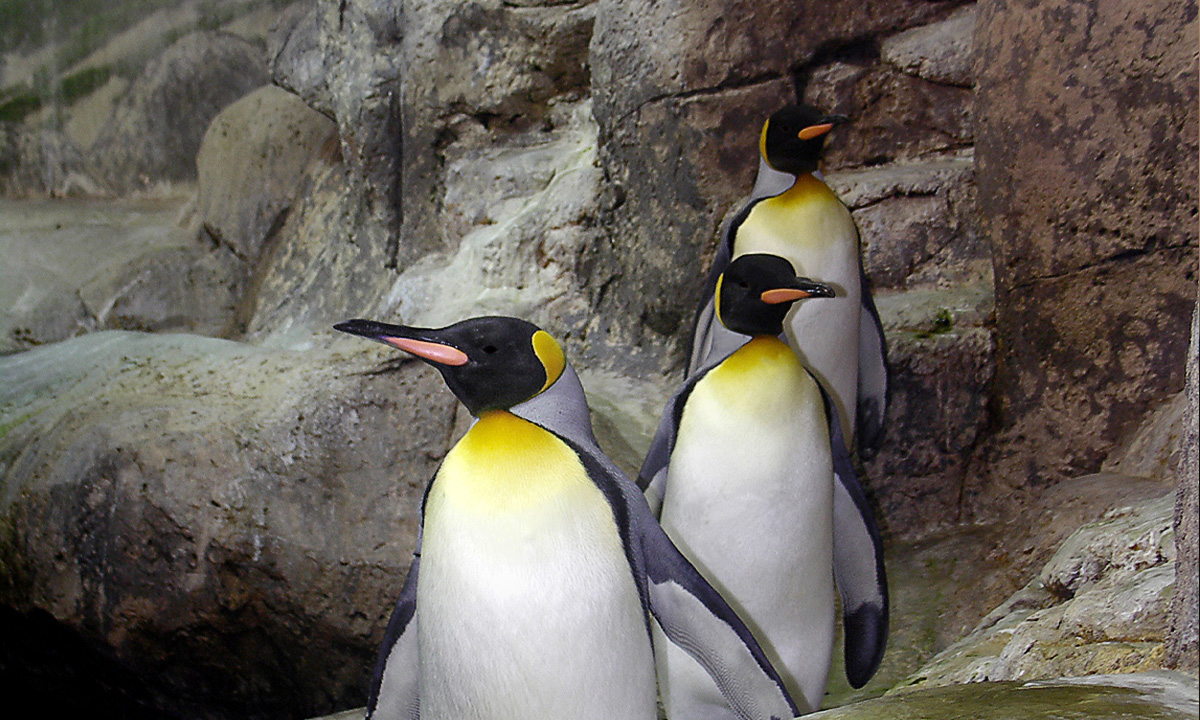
{"type": "Point", "coordinates": [251, 165]}
{"type": "Point", "coordinates": [1099, 606]}
{"type": "Point", "coordinates": [233, 522]}
{"type": "Point", "coordinates": [41, 161]}
{"type": "Point", "coordinates": [296, 58]}
{"type": "Point", "coordinates": [156, 128]}
{"type": "Point", "coordinates": [1083, 201]}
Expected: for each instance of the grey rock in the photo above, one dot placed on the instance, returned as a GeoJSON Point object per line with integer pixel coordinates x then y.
{"type": "Point", "coordinates": [157, 126]}
{"type": "Point", "coordinates": [479, 74]}
{"type": "Point", "coordinates": [195, 505]}
{"type": "Point", "coordinates": [76, 266]}
{"type": "Point", "coordinates": [1171, 696]}
{"type": "Point", "coordinates": [361, 41]}
{"type": "Point", "coordinates": [1098, 606]}
{"type": "Point", "coordinates": [251, 165]}
{"type": "Point", "coordinates": [193, 288]}
{"type": "Point", "coordinates": [1182, 639]}
{"type": "Point", "coordinates": [939, 52]}
{"type": "Point", "coordinates": [1127, 540]}
{"type": "Point", "coordinates": [522, 216]}
{"type": "Point", "coordinates": [323, 265]}
{"type": "Point", "coordinates": [41, 161]}
{"type": "Point", "coordinates": [296, 57]}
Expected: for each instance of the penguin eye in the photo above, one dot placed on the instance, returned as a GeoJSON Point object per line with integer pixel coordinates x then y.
{"type": "Point", "coordinates": [743, 284]}
{"type": "Point", "coordinates": [489, 349]}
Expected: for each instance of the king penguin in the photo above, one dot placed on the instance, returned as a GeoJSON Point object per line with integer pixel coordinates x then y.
{"type": "Point", "coordinates": [539, 564]}
{"type": "Point", "coordinates": [752, 460]}
{"type": "Point", "coordinates": [792, 213]}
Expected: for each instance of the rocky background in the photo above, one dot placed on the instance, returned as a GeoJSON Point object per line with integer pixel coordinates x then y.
{"type": "Point", "coordinates": [208, 500]}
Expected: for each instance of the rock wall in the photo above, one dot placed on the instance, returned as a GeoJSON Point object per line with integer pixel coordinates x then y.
{"type": "Point", "coordinates": [1087, 145]}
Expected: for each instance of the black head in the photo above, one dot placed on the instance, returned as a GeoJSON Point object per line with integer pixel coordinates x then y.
{"type": "Point", "coordinates": [489, 363]}
{"type": "Point", "coordinates": [756, 291]}
{"type": "Point", "coordinates": [793, 138]}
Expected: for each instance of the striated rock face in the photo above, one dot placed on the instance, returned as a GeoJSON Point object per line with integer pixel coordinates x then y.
{"type": "Point", "coordinates": [1086, 159]}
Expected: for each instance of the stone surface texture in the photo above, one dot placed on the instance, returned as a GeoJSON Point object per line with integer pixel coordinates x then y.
{"type": "Point", "coordinates": [1079, 208]}
{"type": "Point", "coordinates": [198, 504]}
{"type": "Point", "coordinates": [157, 126]}
{"type": "Point", "coordinates": [1166, 695]}
{"type": "Point", "coordinates": [250, 164]}
{"type": "Point", "coordinates": [1099, 606]}
{"type": "Point", "coordinates": [1182, 639]}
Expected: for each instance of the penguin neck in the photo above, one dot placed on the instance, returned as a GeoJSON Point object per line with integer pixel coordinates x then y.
{"type": "Point", "coordinates": [770, 182]}
{"type": "Point", "coordinates": [489, 469]}
{"type": "Point", "coordinates": [762, 348]}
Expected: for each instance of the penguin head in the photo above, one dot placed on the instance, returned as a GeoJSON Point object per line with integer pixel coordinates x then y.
{"type": "Point", "coordinates": [489, 363]}
{"type": "Point", "coordinates": [793, 137]}
{"type": "Point", "coordinates": [756, 291]}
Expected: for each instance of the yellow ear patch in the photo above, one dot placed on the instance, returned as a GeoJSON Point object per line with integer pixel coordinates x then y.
{"type": "Point", "coordinates": [717, 298]}
{"type": "Point", "coordinates": [762, 142]}
{"type": "Point", "coordinates": [551, 354]}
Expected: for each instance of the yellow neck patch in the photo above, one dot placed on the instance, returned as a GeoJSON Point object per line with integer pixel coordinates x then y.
{"type": "Point", "coordinates": [507, 464]}
{"type": "Point", "coordinates": [551, 354]}
{"type": "Point", "coordinates": [765, 367]}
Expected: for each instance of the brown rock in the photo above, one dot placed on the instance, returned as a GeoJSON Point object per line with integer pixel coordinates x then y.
{"type": "Point", "coordinates": [1086, 164]}
{"type": "Point", "coordinates": [893, 115]}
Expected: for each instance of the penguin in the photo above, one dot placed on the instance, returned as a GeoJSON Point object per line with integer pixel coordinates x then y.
{"type": "Point", "coordinates": [754, 481]}
{"type": "Point", "coordinates": [792, 213]}
{"type": "Point", "coordinates": [539, 566]}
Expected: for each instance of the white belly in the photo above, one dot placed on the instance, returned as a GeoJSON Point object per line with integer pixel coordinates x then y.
{"type": "Point", "coordinates": [749, 500]}
{"type": "Point", "coordinates": [528, 608]}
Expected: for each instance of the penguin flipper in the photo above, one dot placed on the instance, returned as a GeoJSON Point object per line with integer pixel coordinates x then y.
{"type": "Point", "coordinates": [694, 616]}
{"type": "Point", "coordinates": [857, 563]}
{"type": "Point", "coordinates": [394, 687]}
{"type": "Point", "coordinates": [652, 477]}
{"type": "Point", "coordinates": [872, 375]}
